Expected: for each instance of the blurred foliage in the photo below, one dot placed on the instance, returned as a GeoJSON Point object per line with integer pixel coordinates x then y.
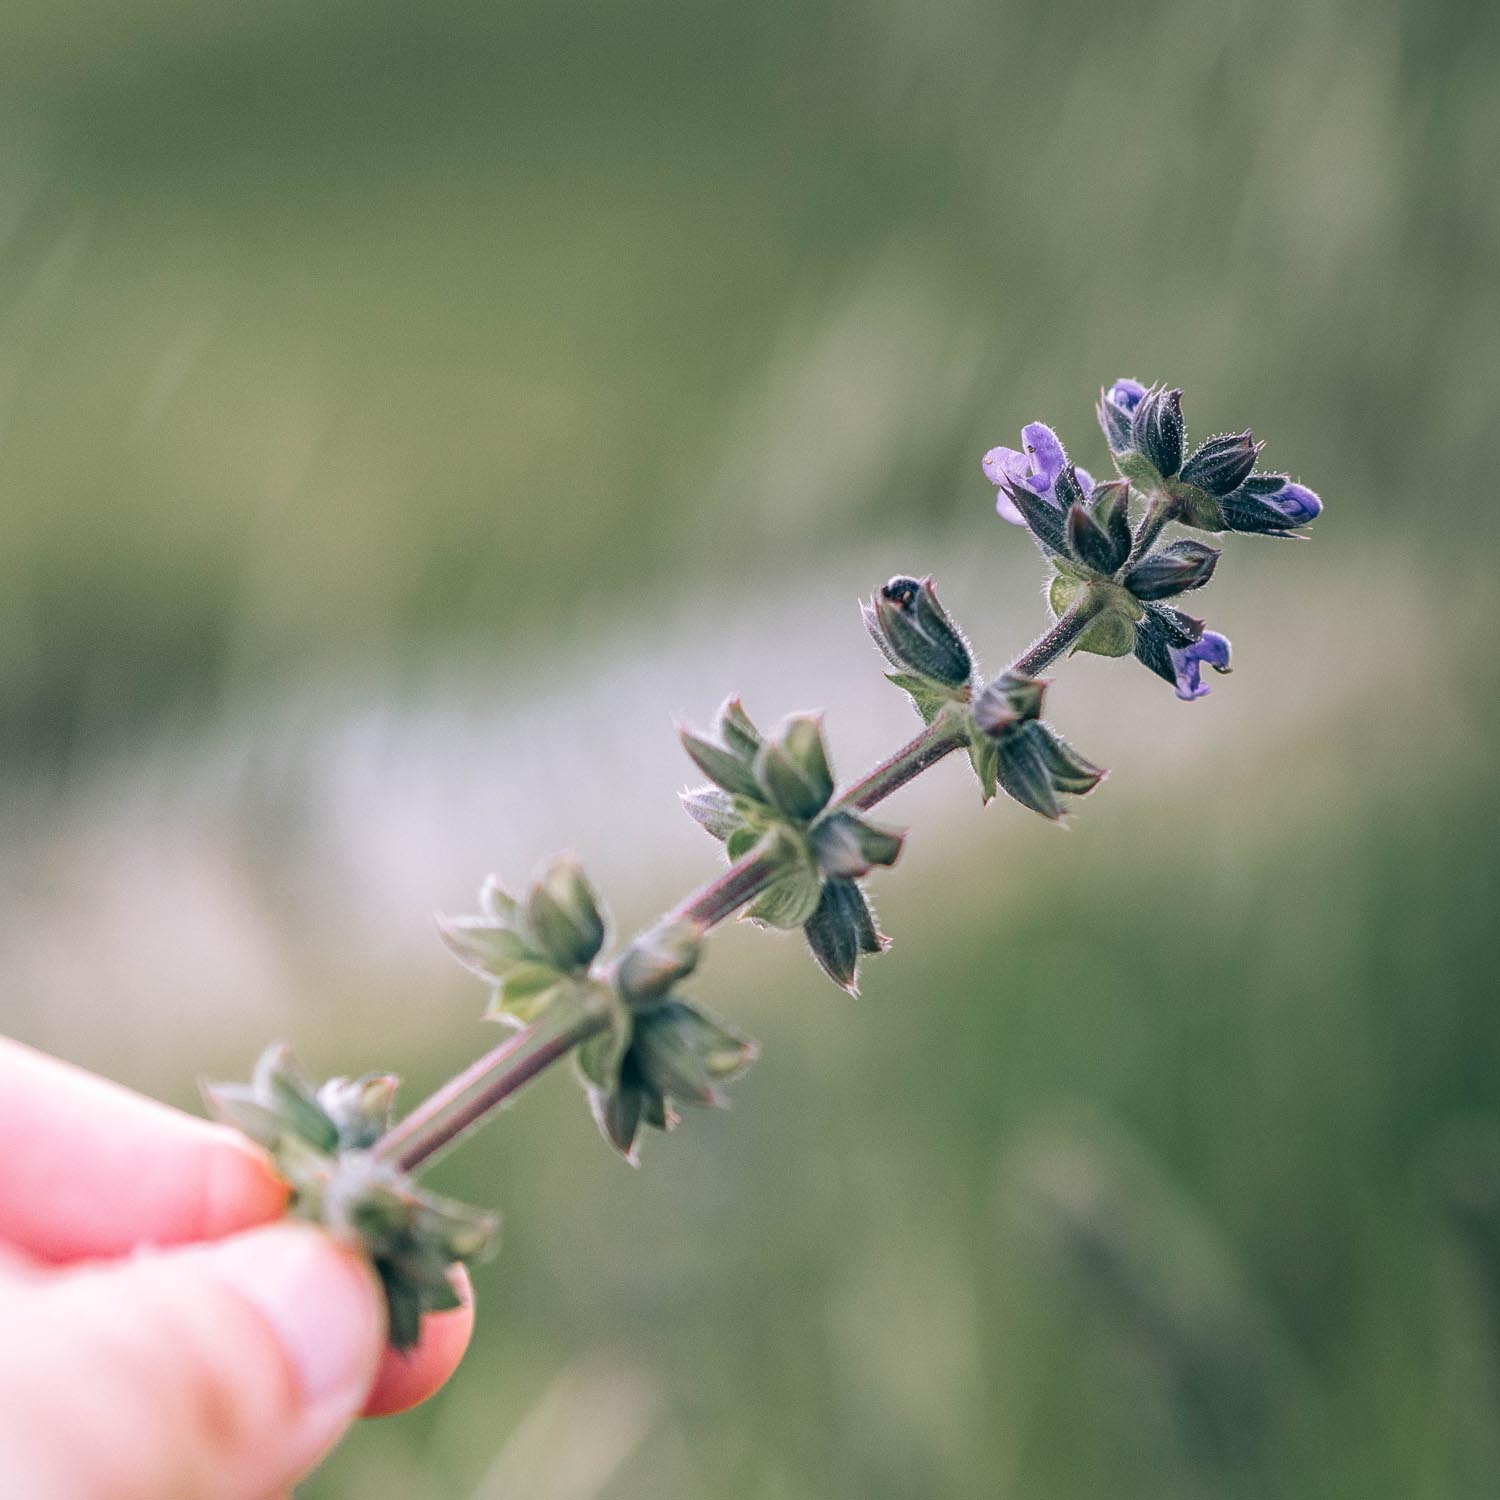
{"type": "Point", "coordinates": [331, 328]}
{"type": "Point", "coordinates": [339, 340]}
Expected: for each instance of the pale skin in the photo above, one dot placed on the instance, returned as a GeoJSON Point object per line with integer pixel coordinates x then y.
{"type": "Point", "coordinates": [164, 1330]}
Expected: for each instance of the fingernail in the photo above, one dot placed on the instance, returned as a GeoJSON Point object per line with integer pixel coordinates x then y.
{"type": "Point", "coordinates": [319, 1301]}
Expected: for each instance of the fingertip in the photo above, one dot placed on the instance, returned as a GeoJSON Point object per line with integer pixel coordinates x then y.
{"type": "Point", "coordinates": [407, 1378]}
{"type": "Point", "coordinates": [240, 1190]}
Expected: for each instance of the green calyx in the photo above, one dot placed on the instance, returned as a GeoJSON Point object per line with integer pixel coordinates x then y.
{"type": "Point", "coordinates": [1015, 751]}
{"type": "Point", "coordinates": [1187, 503]}
{"type": "Point", "coordinates": [772, 795]}
{"type": "Point", "coordinates": [319, 1140]}
{"type": "Point", "coordinates": [532, 951]}
{"type": "Point", "coordinates": [1113, 611]}
{"type": "Point", "coordinates": [653, 1058]}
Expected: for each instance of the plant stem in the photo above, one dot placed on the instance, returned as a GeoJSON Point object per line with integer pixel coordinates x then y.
{"type": "Point", "coordinates": [1065, 630]}
{"type": "Point", "coordinates": [744, 880]}
{"type": "Point", "coordinates": [469, 1098]}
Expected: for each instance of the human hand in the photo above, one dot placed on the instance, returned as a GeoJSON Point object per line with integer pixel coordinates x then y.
{"type": "Point", "coordinates": [164, 1333]}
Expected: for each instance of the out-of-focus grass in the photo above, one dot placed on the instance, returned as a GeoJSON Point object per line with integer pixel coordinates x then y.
{"type": "Point", "coordinates": [364, 370]}
{"type": "Point", "coordinates": [329, 330]}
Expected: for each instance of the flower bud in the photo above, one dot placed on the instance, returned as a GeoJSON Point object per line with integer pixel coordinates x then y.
{"type": "Point", "coordinates": [685, 1054]}
{"type": "Point", "coordinates": [1092, 545]}
{"type": "Point", "coordinates": [1172, 570]}
{"type": "Point", "coordinates": [658, 959]}
{"type": "Point", "coordinates": [1176, 646]}
{"type": "Point", "coordinates": [1210, 649]}
{"type": "Point", "coordinates": [1005, 703]}
{"type": "Point", "coordinates": [1115, 410]}
{"type": "Point", "coordinates": [563, 915]}
{"type": "Point", "coordinates": [360, 1108]}
{"type": "Point", "coordinates": [712, 809]}
{"type": "Point", "coordinates": [319, 1139]}
{"type": "Point", "coordinates": [914, 631]}
{"type": "Point", "coordinates": [1111, 502]}
{"type": "Point", "coordinates": [1270, 504]}
{"type": "Point", "coordinates": [792, 770]}
{"type": "Point", "coordinates": [1035, 765]}
{"type": "Point", "coordinates": [1222, 463]}
{"type": "Point", "coordinates": [1157, 429]}
{"type": "Point", "coordinates": [841, 930]}
{"type": "Point", "coordinates": [846, 845]}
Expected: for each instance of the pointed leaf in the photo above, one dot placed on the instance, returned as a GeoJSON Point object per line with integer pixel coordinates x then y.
{"type": "Point", "coordinates": [525, 993]}
{"type": "Point", "coordinates": [840, 930]}
{"type": "Point", "coordinates": [483, 946]}
{"type": "Point", "coordinates": [789, 901]}
{"type": "Point", "coordinates": [792, 770]}
{"type": "Point", "coordinates": [599, 1058]}
{"type": "Point", "coordinates": [927, 697]}
{"type": "Point", "coordinates": [736, 730]}
{"type": "Point", "coordinates": [712, 809]}
{"type": "Point", "coordinates": [1023, 774]}
{"type": "Point", "coordinates": [722, 767]}
{"type": "Point", "coordinates": [280, 1083]}
{"type": "Point", "coordinates": [618, 1116]}
{"type": "Point", "coordinates": [1069, 771]}
{"type": "Point", "coordinates": [984, 756]}
{"type": "Point", "coordinates": [562, 913]}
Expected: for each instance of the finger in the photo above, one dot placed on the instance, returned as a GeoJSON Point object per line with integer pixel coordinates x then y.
{"type": "Point", "coordinates": [91, 1169]}
{"type": "Point", "coordinates": [408, 1377]}
{"type": "Point", "coordinates": [216, 1372]}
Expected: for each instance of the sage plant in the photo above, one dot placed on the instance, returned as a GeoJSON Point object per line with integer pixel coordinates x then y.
{"type": "Point", "coordinates": [798, 850]}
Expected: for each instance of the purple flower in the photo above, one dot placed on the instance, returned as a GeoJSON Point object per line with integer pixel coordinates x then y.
{"type": "Point", "coordinates": [1116, 410]}
{"type": "Point", "coordinates": [1270, 504]}
{"type": "Point", "coordinates": [1210, 649]}
{"type": "Point", "coordinates": [1035, 467]}
{"type": "Point", "coordinates": [1176, 647]}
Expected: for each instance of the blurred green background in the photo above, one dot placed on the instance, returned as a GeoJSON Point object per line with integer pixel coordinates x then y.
{"type": "Point", "coordinates": [405, 411]}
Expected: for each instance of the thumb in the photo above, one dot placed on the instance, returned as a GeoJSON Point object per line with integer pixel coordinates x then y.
{"type": "Point", "coordinates": [220, 1371]}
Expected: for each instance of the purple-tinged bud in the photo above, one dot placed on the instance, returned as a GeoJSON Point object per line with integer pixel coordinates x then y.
{"type": "Point", "coordinates": [1160, 630]}
{"type": "Point", "coordinates": [1094, 546]}
{"type": "Point", "coordinates": [1047, 523]}
{"type": "Point", "coordinates": [1111, 501]}
{"type": "Point", "coordinates": [1115, 409]}
{"type": "Point", "coordinates": [1171, 571]}
{"type": "Point", "coordinates": [913, 630]}
{"type": "Point", "coordinates": [1007, 702]}
{"type": "Point", "coordinates": [1210, 649]}
{"type": "Point", "coordinates": [1222, 463]}
{"type": "Point", "coordinates": [1270, 504]}
{"type": "Point", "coordinates": [1158, 429]}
